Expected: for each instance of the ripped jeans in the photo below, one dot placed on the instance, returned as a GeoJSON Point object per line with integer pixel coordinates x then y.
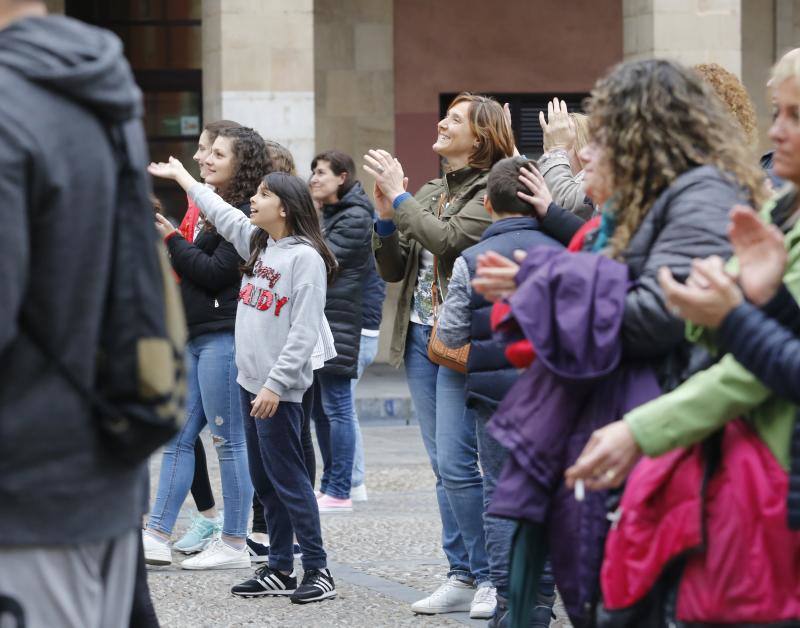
{"type": "Point", "coordinates": [211, 392]}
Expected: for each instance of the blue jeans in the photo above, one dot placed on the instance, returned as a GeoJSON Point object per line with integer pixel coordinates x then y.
{"type": "Point", "coordinates": [366, 355]}
{"type": "Point", "coordinates": [500, 531]}
{"type": "Point", "coordinates": [279, 473]}
{"type": "Point", "coordinates": [211, 392]}
{"type": "Point", "coordinates": [336, 433]}
{"type": "Point", "coordinates": [448, 434]}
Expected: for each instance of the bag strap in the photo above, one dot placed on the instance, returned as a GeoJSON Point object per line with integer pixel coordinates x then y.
{"type": "Point", "coordinates": [435, 283]}
{"type": "Point", "coordinates": [86, 394]}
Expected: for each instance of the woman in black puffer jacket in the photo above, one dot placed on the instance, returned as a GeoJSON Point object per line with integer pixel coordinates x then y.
{"type": "Point", "coordinates": [347, 219]}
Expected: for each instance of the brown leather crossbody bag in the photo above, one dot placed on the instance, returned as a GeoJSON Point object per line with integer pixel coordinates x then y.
{"type": "Point", "coordinates": [438, 352]}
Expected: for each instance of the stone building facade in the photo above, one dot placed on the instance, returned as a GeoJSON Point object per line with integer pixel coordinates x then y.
{"type": "Point", "coordinates": [357, 74]}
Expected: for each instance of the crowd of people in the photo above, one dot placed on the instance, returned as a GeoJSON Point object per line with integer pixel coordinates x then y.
{"type": "Point", "coordinates": [601, 347]}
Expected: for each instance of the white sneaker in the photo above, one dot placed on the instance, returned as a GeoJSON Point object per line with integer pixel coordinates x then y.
{"type": "Point", "coordinates": [359, 493]}
{"type": "Point", "coordinates": [484, 602]}
{"type": "Point", "coordinates": [453, 596]}
{"type": "Point", "coordinates": [218, 555]}
{"type": "Point", "coordinates": [156, 551]}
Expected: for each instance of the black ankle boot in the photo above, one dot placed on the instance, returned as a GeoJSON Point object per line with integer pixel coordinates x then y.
{"type": "Point", "coordinates": [542, 613]}
{"type": "Point", "coordinates": [501, 618]}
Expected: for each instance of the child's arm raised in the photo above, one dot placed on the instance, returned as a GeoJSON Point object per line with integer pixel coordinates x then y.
{"type": "Point", "coordinates": [230, 223]}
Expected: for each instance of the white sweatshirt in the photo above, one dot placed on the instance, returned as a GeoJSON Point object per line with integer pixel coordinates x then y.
{"type": "Point", "coordinates": [281, 306]}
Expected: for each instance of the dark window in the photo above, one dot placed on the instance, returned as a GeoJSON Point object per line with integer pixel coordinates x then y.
{"type": "Point", "coordinates": [162, 40]}
{"type": "Point", "coordinates": [525, 110]}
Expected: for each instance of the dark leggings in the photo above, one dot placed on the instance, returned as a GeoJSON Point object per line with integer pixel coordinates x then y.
{"type": "Point", "coordinates": [201, 485]}
{"type": "Point", "coordinates": [259, 522]}
{"type": "Point", "coordinates": [143, 615]}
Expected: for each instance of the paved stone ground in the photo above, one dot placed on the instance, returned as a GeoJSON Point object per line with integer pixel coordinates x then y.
{"type": "Point", "coordinates": [384, 555]}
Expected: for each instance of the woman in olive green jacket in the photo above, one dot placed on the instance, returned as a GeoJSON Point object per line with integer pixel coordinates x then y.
{"type": "Point", "coordinates": [417, 240]}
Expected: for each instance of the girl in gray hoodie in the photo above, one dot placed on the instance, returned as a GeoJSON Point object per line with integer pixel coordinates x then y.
{"type": "Point", "coordinates": [278, 322]}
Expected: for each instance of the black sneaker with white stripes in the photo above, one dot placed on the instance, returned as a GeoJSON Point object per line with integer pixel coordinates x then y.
{"type": "Point", "coordinates": [259, 553]}
{"type": "Point", "coordinates": [317, 585]}
{"type": "Point", "coordinates": [266, 581]}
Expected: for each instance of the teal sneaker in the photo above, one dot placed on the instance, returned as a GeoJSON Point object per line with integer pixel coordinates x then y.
{"type": "Point", "coordinates": [199, 535]}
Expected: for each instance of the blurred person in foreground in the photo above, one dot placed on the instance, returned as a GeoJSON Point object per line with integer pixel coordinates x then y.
{"type": "Point", "coordinates": [741, 482]}
{"type": "Point", "coordinates": [667, 163]}
{"type": "Point", "coordinates": [70, 517]}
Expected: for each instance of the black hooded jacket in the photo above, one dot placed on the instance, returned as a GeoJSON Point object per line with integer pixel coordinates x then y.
{"type": "Point", "coordinates": [62, 84]}
{"type": "Point", "coordinates": [347, 226]}
{"type": "Point", "coordinates": [210, 279]}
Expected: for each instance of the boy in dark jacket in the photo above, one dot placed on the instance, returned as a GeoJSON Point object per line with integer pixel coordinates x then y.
{"type": "Point", "coordinates": [465, 318]}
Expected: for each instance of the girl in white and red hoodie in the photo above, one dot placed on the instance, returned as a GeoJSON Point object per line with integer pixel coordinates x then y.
{"type": "Point", "coordinates": [281, 305]}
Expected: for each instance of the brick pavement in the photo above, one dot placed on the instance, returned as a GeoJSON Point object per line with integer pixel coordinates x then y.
{"type": "Point", "coordinates": [383, 556]}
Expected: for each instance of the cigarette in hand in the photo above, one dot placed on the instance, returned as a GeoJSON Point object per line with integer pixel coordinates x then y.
{"type": "Point", "coordinates": [580, 490]}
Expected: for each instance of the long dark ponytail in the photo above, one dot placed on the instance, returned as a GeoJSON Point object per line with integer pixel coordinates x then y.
{"type": "Point", "coordinates": [301, 221]}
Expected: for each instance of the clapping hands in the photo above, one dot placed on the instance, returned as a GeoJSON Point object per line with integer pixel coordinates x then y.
{"type": "Point", "coordinates": [558, 127]}
{"type": "Point", "coordinates": [761, 252]}
{"type": "Point", "coordinates": [390, 181]}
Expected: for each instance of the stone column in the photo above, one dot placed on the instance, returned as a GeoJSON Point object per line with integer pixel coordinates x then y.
{"type": "Point", "coordinates": [743, 36]}
{"type": "Point", "coordinates": [690, 31]}
{"type": "Point", "coordinates": [787, 26]}
{"type": "Point", "coordinates": [354, 67]}
{"type": "Point", "coordinates": [758, 56]}
{"type": "Point", "coordinates": [258, 69]}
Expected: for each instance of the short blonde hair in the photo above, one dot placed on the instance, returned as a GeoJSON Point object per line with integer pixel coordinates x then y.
{"type": "Point", "coordinates": [788, 66]}
{"type": "Point", "coordinates": [282, 160]}
{"type": "Point", "coordinates": [581, 121]}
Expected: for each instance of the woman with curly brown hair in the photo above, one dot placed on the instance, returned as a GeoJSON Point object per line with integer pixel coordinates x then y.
{"type": "Point", "coordinates": [209, 272]}
{"type": "Point", "coordinates": [666, 162]}
{"type": "Point", "coordinates": [661, 140]}
{"type": "Point", "coordinates": [723, 449]}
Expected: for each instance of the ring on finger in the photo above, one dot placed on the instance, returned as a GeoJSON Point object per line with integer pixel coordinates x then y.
{"type": "Point", "coordinates": [380, 169]}
{"type": "Point", "coordinates": [610, 474]}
